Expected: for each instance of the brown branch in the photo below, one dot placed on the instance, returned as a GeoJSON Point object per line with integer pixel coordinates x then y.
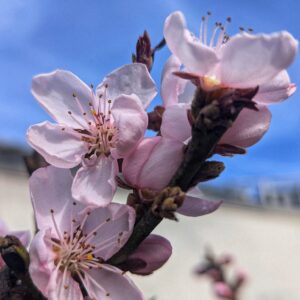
{"type": "Point", "coordinates": [212, 114]}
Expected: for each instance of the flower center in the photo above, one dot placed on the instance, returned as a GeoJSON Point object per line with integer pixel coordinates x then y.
{"type": "Point", "coordinates": [209, 83]}
{"type": "Point", "coordinates": [99, 132]}
{"type": "Point", "coordinates": [76, 251]}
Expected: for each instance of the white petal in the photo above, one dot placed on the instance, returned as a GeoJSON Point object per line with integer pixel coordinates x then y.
{"type": "Point", "coordinates": [130, 79]}
{"type": "Point", "coordinates": [50, 189]}
{"type": "Point", "coordinates": [56, 144]}
{"type": "Point", "coordinates": [251, 60]}
{"type": "Point", "coordinates": [196, 56]}
{"type": "Point", "coordinates": [95, 185]}
{"type": "Point", "coordinates": [171, 85]}
{"type": "Point", "coordinates": [175, 123]}
{"type": "Point", "coordinates": [55, 90]}
{"type": "Point", "coordinates": [131, 121]}
{"type": "Point", "coordinates": [275, 90]}
{"type": "Point", "coordinates": [248, 128]}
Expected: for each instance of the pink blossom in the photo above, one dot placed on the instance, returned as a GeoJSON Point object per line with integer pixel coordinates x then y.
{"type": "Point", "coordinates": [93, 129]}
{"type": "Point", "coordinates": [75, 241]}
{"type": "Point", "coordinates": [223, 291]}
{"type": "Point", "coordinates": [242, 61]}
{"type": "Point", "coordinates": [153, 163]}
{"type": "Point", "coordinates": [149, 256]}
{"type": "Point", "coordinates": [23, 236]}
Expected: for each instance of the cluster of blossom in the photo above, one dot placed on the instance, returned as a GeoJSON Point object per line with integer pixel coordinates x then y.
{"type": "Point", "coordinates": [98, 143]}
{"type": "Point", "coordinates": [215, 269]}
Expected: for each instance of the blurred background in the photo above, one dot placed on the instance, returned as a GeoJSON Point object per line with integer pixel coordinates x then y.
{"type": "Point", "coordinates": [259, 223]}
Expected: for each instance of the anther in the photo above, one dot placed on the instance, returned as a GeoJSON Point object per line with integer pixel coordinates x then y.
{"type": "Point", "coordinates": [51, 211]}
{"type": "Point", "coordinates": [241, 28]}
{"type": "Point", "coordinates": [108, 219]}
{"type": "Point", "coordinates": [228, 19]}
{"type": "Point", "coordinates": [92, 86]}
{"type": "Point", "coordinates": [74, 203]}
{"type": "Point", "coordinates": [63, 129]}
{"type": "Point", "coordinates": [203, 18]}
{"type": "Point", "coordinates": [69, 112]}
{"type": "Point", "coordinates": [250, 29]}
{"type": "Point", "coordinates": [209, 13]}
{"type": "Point", "coordinates": [106, 85]}
{"type": "Point", "coordinates": [74, 95]}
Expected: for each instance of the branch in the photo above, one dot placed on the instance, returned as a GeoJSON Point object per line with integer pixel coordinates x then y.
{"type": "Point", "coordinates": [212, 115]}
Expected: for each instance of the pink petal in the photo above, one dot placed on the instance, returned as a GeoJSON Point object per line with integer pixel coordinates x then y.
{"type": "Point", "coordinates": [251, 60]}
{"type": "Point", "coordinates": [196, 56]}
{"type": "Point", "coordinates": [195, 206]}
{"type": "Point", "coordinates": [117, 223]}
{"type": "Point", "coordinates": [153, 163]}
{"type": "Point", "coordinates": [59, 147]}
{"type": "Point", "coordinates": [55, 90]}
{"type": "Point", "coordinates": [50, 189]}
{"type": "Point", "coordinates": [275, 90]}
{"type": "Point", "coordinates": [249, 127]}
{"type": "Point", "coordinates": [175, 123]}
{"type": "Point", "coordinates": [171, 85]}
{"type": "Point", "coordinates": [154, 251]}
{"type": "Point", "coordinates": [95, 185]}
{"type": "Point", "coordinates": [131, 120]}
{"type": "Point", "coordinates": [130, 79]}
{"type": "Point", "coordinates": [63, 287]}
{"type": "Point", "coordinates": [223, 291]}
{"type": "Point", "coordinates": [134, 163]}
{"type": "Point", "coordinates": [41, 261]}
{"type": "Point", "coordinates": [101, 283]}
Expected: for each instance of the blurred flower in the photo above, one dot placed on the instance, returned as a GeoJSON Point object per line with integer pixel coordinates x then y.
{"type": "Point", "coordinates": [223, 291]}
{"type": "Point", "coordinates": [243, 61]}
{"type": "Point", "coordinates": [93, 129]}
{"type": "Point", "coordinates": [74, 242]}
{"type": "Point", "coordinates": [214, 268]}
{"type": "Point", "coordinates": [151, 166]}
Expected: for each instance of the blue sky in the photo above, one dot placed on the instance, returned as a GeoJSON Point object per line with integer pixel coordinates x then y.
{"type": "Point", "coordinates": [91, 38]}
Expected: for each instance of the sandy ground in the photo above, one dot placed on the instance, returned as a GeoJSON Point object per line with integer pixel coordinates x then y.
{"type": "Point", "coordinates": [265, 243]}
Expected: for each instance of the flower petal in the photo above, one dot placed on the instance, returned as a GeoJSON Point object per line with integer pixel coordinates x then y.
{"type": "Point", "coordinates": [171, 85]}
{"type": "Point", "coordinates": [59, 147]}
{"type": "Point", "coordinates": [275, 90]}
{"type": "Point", "coordinates": [196, 56]}
{"type": "Point", "coordinates": [131, 120]}
{"type": "Point", "coordinates": [113, 225]}
{"type": "Point", "coordinates": [249, 127]}
{"type": "Point", "coordinates": [251, 60]}
{"type": "Point", "coordinates": [175, 123]}
{"type": "Point", "coordinates": [154, 251]}
{"type": "Point", "coordinates": [153, 163]}
{"type": "Point", "coordinates": [63, 287]}
{"type": "Point", "coordinates": [95, 185]}
{"type": "Point", "coordinates": [41, 261]}
{"type": "Point", "coordinates": [195, 206]}
{"type": "Point", "coordinates": [130, 79]}
{"type": "Point", "coordinates": [101, 283]}
{"type": "Point", "coordinates": [50, 189]}
{"type": "Point", "coordinates": [55, 90]}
